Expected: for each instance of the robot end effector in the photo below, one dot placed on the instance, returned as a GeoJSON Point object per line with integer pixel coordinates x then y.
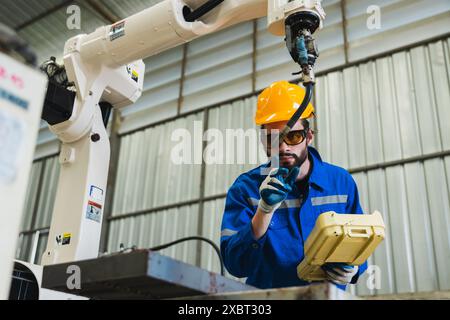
{"type": "Point", "coordinates": [299, 28]}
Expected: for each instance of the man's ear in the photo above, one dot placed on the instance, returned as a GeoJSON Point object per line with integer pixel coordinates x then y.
{"type": "Point", "coordinates": [309, 137]}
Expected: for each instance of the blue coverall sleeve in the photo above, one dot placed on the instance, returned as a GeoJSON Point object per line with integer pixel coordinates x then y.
{"type": "Point", "coordinates": [240, 251]}
{"type": "Point", "coordinates": [353, 206]}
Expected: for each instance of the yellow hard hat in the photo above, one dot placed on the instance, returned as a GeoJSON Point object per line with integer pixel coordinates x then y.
{"type": "Point", "coordinates": [279, 102]}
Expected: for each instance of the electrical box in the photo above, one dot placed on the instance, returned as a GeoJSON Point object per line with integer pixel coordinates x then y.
{"type": "Point", "coordinates": [344, 238]}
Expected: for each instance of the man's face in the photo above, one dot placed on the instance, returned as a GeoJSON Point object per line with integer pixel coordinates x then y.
{"type": "Point", "coordinates": [291, 155]}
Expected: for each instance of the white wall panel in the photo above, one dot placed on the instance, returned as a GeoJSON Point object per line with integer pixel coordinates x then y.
{"type": "Point", "coordinates": [383, 256]}
{"type": "Point", "coordinates": [159, 99]}
{"type": "Point", "coordinates": [421, 232]}
{"type": "Point", "coordinates": [41, 193]}
{"type": "Point", "coordinates": [41, 246]}
{"type": "Point", "coordinates": [23, 247]}
{"type": "Point", "coordinates": [38, 208]}
{"type": "Point", "coordinates": [403, 22]}
{"type": "Point", "coordinates": [212, 221]}
{"type": "Point", "coordinates": [236, 116]}
{"type": "Point", "coordinates": [438, 187]}
{"type": "Point", "coordinates": [439, 62]}
{"type": "Point", "coordinates": [385, 110]}
{"type": "Point", "coordinates": [158, 228]}
{"type": "Point", "coordinates": [32, 194]}
{"type": "Point", "coordinates": [218, 67]}
{"type": "Point", "coordinates": [47, 193]}
{"type": "Point", "coordinates": [353, 119]}
{"type": "Point", "coordinates": [147, 176]}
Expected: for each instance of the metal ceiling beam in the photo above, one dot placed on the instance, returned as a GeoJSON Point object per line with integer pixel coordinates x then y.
{"type": "Point", "coordinates": [96, 5]}
{"type": "Point", "coordinates": [44, 15]}
{"type": "Point", "coordinates": [105, 12]}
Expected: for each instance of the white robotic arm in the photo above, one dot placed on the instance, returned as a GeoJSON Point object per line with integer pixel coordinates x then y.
{"type": "Point", "coordinates": [105, 69]}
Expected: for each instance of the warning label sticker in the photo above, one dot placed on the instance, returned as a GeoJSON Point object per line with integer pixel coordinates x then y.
{"type": "Point", "coordinates": [63, 239]}
{"type": "Point", "coordinates": [66, 238]}
{"type": "Point", "coordinates": [117, 31]}
{"type": "Point", "coordinates": [96, 194]}
{"type": "Point", "coordinates": [94, 211]}
{"type": "Point", "coordinates": [135, 76]}
{"type": "Point", "coordinates": [133, 73]}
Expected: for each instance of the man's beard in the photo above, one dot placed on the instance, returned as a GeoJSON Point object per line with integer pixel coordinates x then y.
{"type": "Point", "coordinates": [299, 160]}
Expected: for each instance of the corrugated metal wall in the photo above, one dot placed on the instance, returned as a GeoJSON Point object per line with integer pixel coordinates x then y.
{"type": "Point", "coordinates": [237, 115]}
{"type": "Point", "coordinates": [146, 176]}
{"type": "Point", "coordinates": [157, 228]}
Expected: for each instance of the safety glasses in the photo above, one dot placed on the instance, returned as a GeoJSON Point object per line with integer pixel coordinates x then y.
{"type": "Point", "coordinates": [293, 138]}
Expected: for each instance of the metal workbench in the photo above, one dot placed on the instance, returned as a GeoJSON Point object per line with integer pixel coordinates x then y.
{"type": "Point", "coordinates": [141, 274]}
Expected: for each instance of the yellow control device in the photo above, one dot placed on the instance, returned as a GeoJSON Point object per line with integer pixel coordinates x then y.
{"type": "Point", "coordinates": [345, 238]}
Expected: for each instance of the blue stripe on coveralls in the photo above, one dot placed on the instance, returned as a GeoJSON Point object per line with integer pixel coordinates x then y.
{"type": "Point", "coordinates": [340, 198]}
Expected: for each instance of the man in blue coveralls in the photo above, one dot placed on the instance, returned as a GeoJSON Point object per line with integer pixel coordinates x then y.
{"type": "Point", "coordinates": [268, 218]}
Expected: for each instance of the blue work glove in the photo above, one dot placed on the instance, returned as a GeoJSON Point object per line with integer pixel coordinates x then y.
{"type": "Point", "coordinates": [275, 188]}
{"type": "Point", "coordinates": [340, 273]}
